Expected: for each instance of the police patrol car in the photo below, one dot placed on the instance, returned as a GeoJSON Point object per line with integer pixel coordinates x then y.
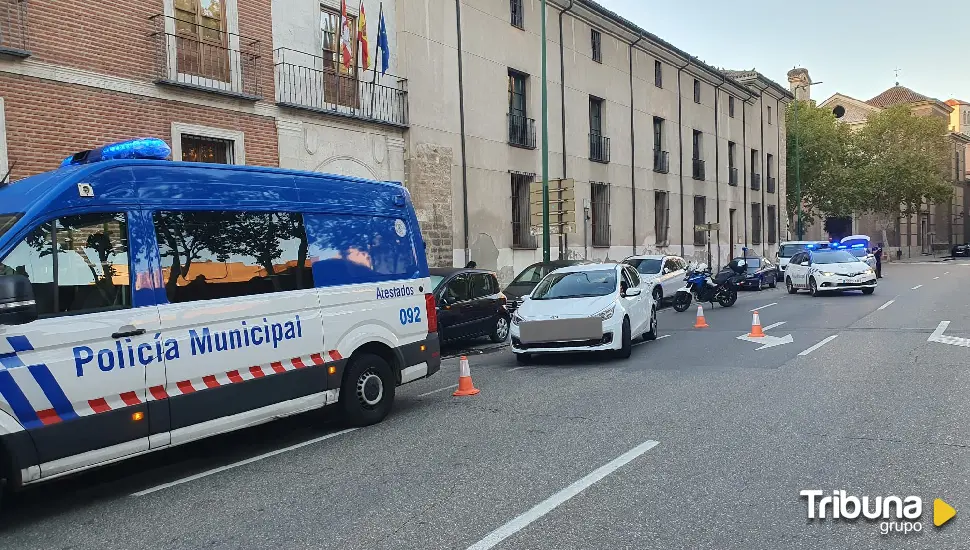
{"type": "Point", "coordinates": [146, 303]}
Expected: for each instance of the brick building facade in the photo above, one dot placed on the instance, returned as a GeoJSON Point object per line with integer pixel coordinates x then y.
{"type": "Point", "coordinates": [73, 78]}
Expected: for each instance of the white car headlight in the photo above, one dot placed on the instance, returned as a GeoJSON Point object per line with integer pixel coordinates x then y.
{"type": "Point", "coordinates": [826, 274]}
{"type": "Point", "coordinates": [606, 313]}
{"type": "Point", "coordinates": [516, 318]}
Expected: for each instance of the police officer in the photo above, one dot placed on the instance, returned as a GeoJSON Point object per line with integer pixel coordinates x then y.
{"type": "Point", "coordinates": [877, 252]}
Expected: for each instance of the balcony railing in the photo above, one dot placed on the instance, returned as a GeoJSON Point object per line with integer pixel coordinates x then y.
{"type": "Point", "coordinates": [320, 84]}
{"type": "Point", "coordinates": [733, 177]}
{"type": "Point", "coordinates": [13, 28]}
{"type": "Point", "coordinates": [755, 181]}
{"type": "Point", "coordinates": [661, 161]}
{"type": "Point", "coordinates": [599, 148]}
{"type": "Point", "coordinates": [522, 131]}
{"type": "Point", "coordinates": [771, 184]}
{"type": "Point", "coordinates": [698, 171]}
{"type": "Point", "coordinates": [190, 55]}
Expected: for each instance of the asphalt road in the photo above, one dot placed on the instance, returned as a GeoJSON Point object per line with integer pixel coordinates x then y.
{"type": "Point", "coordinates": [700, 440]}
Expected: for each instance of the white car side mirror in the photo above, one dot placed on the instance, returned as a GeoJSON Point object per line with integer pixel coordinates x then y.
{"type": "Point", "coordinates": [631, 292]}
{"type": "Point", "coordinates": [805, 264]}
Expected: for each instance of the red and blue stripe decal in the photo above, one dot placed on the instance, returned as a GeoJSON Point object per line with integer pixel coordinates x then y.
{"type": "Point", "coordinates": [11, 392]}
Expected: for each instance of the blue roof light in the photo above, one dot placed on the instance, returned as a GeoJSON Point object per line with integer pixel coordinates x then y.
{"type": "Point", "coordinates": [860, 245]}
{"type": "Point", "coordinates": [144, 148]}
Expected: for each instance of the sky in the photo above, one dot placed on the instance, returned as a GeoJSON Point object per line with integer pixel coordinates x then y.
{"type": "Point", "coordinates": [850, 46]}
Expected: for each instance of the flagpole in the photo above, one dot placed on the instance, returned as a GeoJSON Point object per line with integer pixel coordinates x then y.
{"type": "Point", "coordinates": [377, 47]}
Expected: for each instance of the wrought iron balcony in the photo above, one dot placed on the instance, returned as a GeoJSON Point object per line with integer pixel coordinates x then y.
{"type": "Point", "coordinates": [13, 28]}
{"type": "Point", "coordinates": [755, 181]}
{"type": "Point", "coordinates": [599, 148]}
{"type": "Point", "coordinates": [661, 161]}
{"type": "Point", "coordinates": [771, 184]}
{"type": "Point", "coordinates": [190, 55]}
{"type": "Point", "coordinates": [698, 171]}
{"type": "Point", "coordinates": [733, 177]}
{"type": "Point", "coordinates": [321, 84]}
{"type": "Point", "coordinates": [522, 131]}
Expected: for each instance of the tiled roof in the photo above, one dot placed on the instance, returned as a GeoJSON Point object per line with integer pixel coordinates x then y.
{"type": "Point", "coordinates": [897, 95]}
{"type": "Point", "coordinates": [955, 102]}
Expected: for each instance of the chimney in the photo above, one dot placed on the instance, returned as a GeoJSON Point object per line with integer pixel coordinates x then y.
{"type": "Point", "coordinates": [800, 84]}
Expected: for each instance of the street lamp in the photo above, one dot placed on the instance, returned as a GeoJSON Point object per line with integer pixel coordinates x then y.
{"type": "Point", "coordinates": [798, 173]}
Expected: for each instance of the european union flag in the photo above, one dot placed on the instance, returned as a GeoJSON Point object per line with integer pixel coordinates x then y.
{"type": "Point", "coordinates": [382, 44]}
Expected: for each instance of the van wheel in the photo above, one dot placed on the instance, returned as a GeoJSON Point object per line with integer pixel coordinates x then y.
{"type": "Point", "coordinates": [367, 392]}
{"type": "Point", "coordinates": [627, 341]}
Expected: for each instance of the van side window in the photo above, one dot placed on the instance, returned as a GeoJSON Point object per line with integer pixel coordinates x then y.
{"type": "Point", "coordinates": [350, 249]}
{"type": "Point", "coordinates": [212, 255]}
{"type": "Point", "coordinates": [88, 274]}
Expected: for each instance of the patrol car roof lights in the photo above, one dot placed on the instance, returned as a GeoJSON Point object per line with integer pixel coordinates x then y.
{"type": "Point", "coordinates": [143, 148]}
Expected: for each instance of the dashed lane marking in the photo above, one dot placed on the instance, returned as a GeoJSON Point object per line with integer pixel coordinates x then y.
{"type": "Point", "coordinates": [820, 344]}
{"type": "Point", "coordinates": [887, 304]}
{"type": "Point", "coordinates": [917, 286]}
{"type": "Point", "coordinates": [763, 307]}
{"type": "Point", "coordinates": [773, 325]}
{"type": "Point", "coordinates": [425, 394]}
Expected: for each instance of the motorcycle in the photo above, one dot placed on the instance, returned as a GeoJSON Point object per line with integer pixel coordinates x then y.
{"type": "Point", "coordinates": [723, 288]}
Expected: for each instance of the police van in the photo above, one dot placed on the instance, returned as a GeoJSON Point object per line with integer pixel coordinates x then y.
{"type": "Point", "coordinates": [146, 303]}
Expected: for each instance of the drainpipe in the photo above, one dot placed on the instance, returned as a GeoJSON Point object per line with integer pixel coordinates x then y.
{"type": "Point", "coordinates": [717, 171]}
{"type": "Point", "coordinates": [680, 147]}
{"type": "Point", "coordinates": [564, 249]}
{"type": "Point", "coordinates": [461, 120]}
{"type": "Point", "coordinates": [744, 167]}
{"type": "Point", "coordinates": [778, 170]}
{"type": "Point", "coordinates": [633, 149]}
{"type": "Point", "coordinates": [764, 188]}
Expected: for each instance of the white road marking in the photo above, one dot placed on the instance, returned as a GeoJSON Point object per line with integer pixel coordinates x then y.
{"type": "Point", "coordinates": [935, 278]}
{"type": "Point", "coordinates": [451, 387]}
{"type": "Point", "coordinates": [767, 341]}
{"type": "Point", "coordinates": [820, 344]}
{"type": "Point", "coordinates": [551, 503]}
{"type": "Point", "coordinates": [662, 337]}
{"type": "Point", "coordinates": [937, 336]}
{"type": "Point", "coordinates": [517, 368]}
{"type": "Point", "coordinates": [917, 286]}
{"type": "Point", "coordinates": [946, 273]}
{"type": "Point", "coordinates": [884, 306]}
{"type": "Point", "coordinates": [237, 464]}
{"type": "Point", "coordinates": [773, 325]}
{"type": "Point", "coordinates": [763, 307]}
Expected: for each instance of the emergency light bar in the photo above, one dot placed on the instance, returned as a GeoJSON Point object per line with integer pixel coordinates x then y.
{"type": "Point", "coordinates": [144, 148]}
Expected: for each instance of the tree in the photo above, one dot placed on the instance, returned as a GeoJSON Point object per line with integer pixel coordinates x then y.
{"type": "Point", "coordinates": [906, 163]}
{"type": "Point", "coordinates": [825, 160]}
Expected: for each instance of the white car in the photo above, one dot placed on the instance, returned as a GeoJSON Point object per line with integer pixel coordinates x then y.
{"type": "Point", "coordinates": [788, 249]}
{"type": "Point", "coordinates": [595, 307]}
{"type": "Point", "coordinates": [859, 246]}
{"type": "Point", "coordinates": [828, 270]}
{"type": "Point", "coordinates": [665, 273]}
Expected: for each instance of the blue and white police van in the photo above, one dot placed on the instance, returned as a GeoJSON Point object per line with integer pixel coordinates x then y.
{"type": "Point", "coordinates": [146, 303]}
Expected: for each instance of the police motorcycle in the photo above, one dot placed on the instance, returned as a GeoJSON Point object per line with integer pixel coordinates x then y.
{"type": "Point", "coordinates": [722, 288]}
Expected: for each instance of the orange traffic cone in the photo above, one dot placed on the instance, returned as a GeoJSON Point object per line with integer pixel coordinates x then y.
{"type": "Point", "coordinates": [465, 386]}
{"type": "Point", "coordinates": [756, 331]}
{"type": "Point", "coordinates": [700, 323]}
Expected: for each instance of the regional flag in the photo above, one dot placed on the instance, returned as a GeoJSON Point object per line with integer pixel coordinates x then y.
{"type": "Point", "coordinates": [362, 37]}
{"type": "Point", "coordinates": [345, 42]}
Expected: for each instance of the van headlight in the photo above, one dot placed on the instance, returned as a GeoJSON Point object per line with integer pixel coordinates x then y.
{"type": "Point", "coordinates": [606, 313]}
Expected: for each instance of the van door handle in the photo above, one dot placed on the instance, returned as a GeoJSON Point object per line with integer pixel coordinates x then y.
{"type": "Point", "coordinates": [127, 333]}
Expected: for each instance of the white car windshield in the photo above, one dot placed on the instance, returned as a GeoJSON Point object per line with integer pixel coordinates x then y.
{"type": "Point", "coordinates": [581, 284]}
{"type": "Point", "coordinates": [858, 252]}
{"type": "Point", "coordinates": [646, 266]}
{"type": "Point", "coordinates": [834, 257]}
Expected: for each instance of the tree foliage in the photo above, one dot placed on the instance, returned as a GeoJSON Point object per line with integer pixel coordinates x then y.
{"type": "Point", "coordinates": [894, 164]}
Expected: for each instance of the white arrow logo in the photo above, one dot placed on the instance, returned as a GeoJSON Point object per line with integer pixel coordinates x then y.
{"type": "Point", "coordinates": [937, 336]}
{"type": "Point", "coordinates": [768, 341]}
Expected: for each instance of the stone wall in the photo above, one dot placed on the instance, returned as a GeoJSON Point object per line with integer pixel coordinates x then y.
{"type": "Point", "coordinates": [428, 170]}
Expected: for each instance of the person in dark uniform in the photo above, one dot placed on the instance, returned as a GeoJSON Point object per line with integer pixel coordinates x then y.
{"type": "Point", "coordinates": [471, 265]}
{"type": "Point", "coordinates": [877, 252]}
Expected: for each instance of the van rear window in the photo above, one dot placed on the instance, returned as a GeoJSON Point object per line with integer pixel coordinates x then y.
{"type": "Point", "coordinates": [348, 249]}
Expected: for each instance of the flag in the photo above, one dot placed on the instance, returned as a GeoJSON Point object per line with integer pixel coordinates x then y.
{"type": "Point", "coordinates": [345, 43]}
{"type": "Point", "coordinates": [362, 38]}
{"type": "Point", "coordinates": [382, 43]}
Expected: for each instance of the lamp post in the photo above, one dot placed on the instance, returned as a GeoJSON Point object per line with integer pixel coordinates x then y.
{"type": "Point", "coordinates": [798, 172]}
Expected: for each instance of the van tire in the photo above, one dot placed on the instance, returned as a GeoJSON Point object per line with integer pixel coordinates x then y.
{"type": "Point", "coordinates": [367, 392]}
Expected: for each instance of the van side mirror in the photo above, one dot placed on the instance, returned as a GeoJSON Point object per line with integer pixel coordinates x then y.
{"type": "Point", "coordinates": [17, 304]}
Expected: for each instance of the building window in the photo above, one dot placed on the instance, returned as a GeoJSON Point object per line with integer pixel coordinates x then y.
{"type": "Point", "coordinates": [339, 82]}
{"type": "Point", "coordinates": [195, 143]}
{"type": "Point", "coordinates": [658, 74]}
{"type": "Point", "coordinates": [700, 217]}
{"type": "Point", "coordinates": [658, 133]}
{"type": "Point", "coordinates": [770, 172]}
{"type": "Point", "coordinates": [697, 161]}
{"type": "Point", "coordinates": [661, 160]}
{"type": "Point", "coordinates": [772, 225]}
{"type": "Point", "coordinates": [732, 163]}
{"type": "Point", "coordinates": [212, 255]}
{"type": "Point", "coordinates": [769, 114]}
{"type": "Point", "coordinates": [697, 91]}
{"type": "Point", "coordinates": [731, 106]}
{"type": "Point", "coordinates": [755, 223]}
{"type": "Point", "coordinates": [697, 142]}
{"type": "Point", "coordinates": [661, 216]}
{"type": "Point", "coordinates": [518, 18]}
{"type": "Point", "coordinates": [599, 145]}
{"type": "Point", "coordinates": [755, 170]}
{"type": "Point", "coordinates": [596, 40]}
{"type": "Point", "coordinates": [77, 264]}
{"type": "Point", "coordinates": [203, 49]}
{"type": "Point", "coordinates": [600, 199]}
{"type": "Point", "coordinates": [521, 211]}
{"type": "Point", "coordinates": [206, 149]}
{"type": "Point", "coordinates": [522, 132]}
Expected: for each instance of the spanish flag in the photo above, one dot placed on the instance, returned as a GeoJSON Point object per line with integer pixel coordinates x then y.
{"type": "Point", "coordinates": [362, 37]}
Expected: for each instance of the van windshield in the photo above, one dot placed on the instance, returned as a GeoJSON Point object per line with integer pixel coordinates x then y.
{"type": "Point", "coordinates": [7, 221]}
{"type": "Point", "coordinates": [789, 250]}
